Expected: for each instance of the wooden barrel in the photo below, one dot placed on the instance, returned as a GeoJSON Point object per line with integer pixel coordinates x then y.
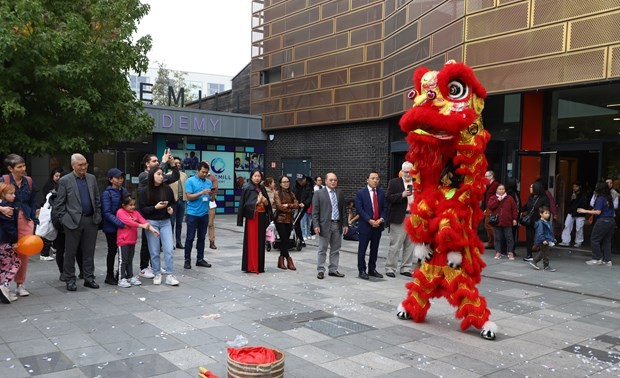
{"type": "Point", "coordinates": [271, 370]}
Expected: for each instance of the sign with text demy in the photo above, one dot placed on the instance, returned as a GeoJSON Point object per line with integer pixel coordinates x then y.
{"type": "Point", "coordinates": [222, 166]}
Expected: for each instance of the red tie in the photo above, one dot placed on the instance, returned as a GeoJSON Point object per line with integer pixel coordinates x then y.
{"type": "Point", "coordinates": [375, 204]}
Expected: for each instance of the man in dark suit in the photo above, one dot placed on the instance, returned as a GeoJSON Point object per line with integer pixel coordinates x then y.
{"type": "Point", "coordinates": [78, 205]}
{"type": "Point", "coordinates": [400, 197]}
{"type": "Point", "coordinates": [371, 205]}
{"type": "Point", "coordinates": [329, 220]}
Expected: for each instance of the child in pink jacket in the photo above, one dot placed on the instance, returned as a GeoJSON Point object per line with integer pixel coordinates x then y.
{"type": "Point", "coordinates": [126, 238]}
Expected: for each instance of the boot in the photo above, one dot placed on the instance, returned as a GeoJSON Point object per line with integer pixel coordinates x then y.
{"type": "Point", "coordinates": [281, 263]}
{"type": "Point", "coordinates": [289, 262]}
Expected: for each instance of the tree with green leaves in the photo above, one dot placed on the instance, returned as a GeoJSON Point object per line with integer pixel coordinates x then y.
{"type": "Point", "coordinates": [167, 78]}
{"type": "Point", "coordinates": [64, 74]}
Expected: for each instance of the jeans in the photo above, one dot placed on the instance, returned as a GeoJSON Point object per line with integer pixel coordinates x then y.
{"type": "Point", "coordinates": [602, 233]}
{"type": "Point", "coordinates": [306, 225]}
{"type": "Point", "coordinates": [165, 235]}
{"type": "Point", "coordinates": [196, 225]}
{"type": "Point", "coordinates": [176, 220]}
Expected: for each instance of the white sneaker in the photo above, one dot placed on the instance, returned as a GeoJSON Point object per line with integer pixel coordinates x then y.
{"type": "Point", "coordinates": [147, 273]}
{"type": "Point", "coordinates": [157, 279]}
{"type": "Point", "coordinates": [594, 262]}
{"type": "Point", "coordinates": [172, 280]}
{"type": "Point", "coordinates": [135, 281]}
{"type": "Point", "coordinates": [563, 244]}
{"type": "Point", "coordinates": [608, 263]}
{"type": "Point", "coordinates": [46, 258]}
{"type": "Point", "coordinates": [124, 283]}
{"type": "Point", "coordinates": [577, 245]}
{"type": "Point", "coordinates": [21, 291]}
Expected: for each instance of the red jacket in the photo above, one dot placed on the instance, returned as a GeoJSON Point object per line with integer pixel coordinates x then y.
{"type": "Point", "coordinates": [506, 208]}
{"type": "Point", "coordinates": [129, 234]}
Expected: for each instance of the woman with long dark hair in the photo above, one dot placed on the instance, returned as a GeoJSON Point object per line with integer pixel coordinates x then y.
{"type": "Point", "coordinates": [286, 204]}
{"type": "Point", "coordinates": [254, 206]}
{"type": "Point", "coordinates": [537, 198]}
{"type": "Point", "coordinates": [156, 205]}
{"type": "Point", "coordinates": [603, 230]}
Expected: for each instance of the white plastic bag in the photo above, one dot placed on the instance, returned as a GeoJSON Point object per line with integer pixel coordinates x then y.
{"type": "Point", "coordinates": [46, 229]}
{"type": "Point", "coordinates": [270, 234]}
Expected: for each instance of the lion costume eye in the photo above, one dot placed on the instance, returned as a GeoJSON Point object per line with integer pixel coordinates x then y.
{"type": "Point", "coordinates": [457, 90]}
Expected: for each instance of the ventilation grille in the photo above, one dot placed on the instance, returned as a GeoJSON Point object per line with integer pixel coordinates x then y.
{"type": "Point", "coordinates": [614, 65]}
{"type": "Point", "coordinates": [595, 31]}
{"type": "Point", "coordinates": [508, 48]}
{"type": "Point", "coordinates": [478, 5]}
{"type": "Point", "coordinates": [547, 11]}
{"type": "Point", "coordinates": [497, 21]}
{"type": "Point", "coordinates": [534, 74]}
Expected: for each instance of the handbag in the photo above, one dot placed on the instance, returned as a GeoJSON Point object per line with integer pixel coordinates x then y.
{"type": "Point", "coordinates": [46, 229]}
{"type": "Point", "coordinates": [535, 247]}
{"type": "Point", "coordinates": [526, 219]}
{"type": "Point", "coordinates": [270, 235]}
{"type": "Point", "coordinates": [494, 219]}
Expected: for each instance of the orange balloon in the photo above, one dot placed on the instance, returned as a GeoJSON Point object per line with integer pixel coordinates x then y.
{"type": "Point", "coordinates": [30, 245]}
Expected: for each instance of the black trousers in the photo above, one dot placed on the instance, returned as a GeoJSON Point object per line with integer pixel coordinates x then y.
{"type": "Point", "coordinates": [284, 231]}
{"type": "Point", "coordinates": [125, 261]}
{"type": "Point", "coordinates": [59, 244]}
{"type": "Point", "coordinates": [110, 237]}
{"type": "Point", "coordinates": [84, 237]}
{"type": "Point", "coordinates": [145, 255]}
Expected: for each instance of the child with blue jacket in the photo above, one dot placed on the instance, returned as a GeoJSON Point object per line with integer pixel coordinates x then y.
{"type": "Point", "coordinates": [544, 238]}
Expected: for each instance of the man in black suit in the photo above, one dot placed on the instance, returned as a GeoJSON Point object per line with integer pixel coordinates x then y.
{"type": "Point", "coordinates": [329, 220]}
{"type": "Point", "coordinates": [78, 205]}
{"type": "Point", "coordinates": [399, 197]}
{"type": "Point", "coordinates": [371, 205]}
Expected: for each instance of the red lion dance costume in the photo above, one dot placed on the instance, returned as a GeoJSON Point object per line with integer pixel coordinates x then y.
{"type": "Point", "coordinates": [447, 143]}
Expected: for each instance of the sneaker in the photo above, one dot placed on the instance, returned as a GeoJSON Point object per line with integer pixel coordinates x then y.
{"type": "Point", "coordinates": [607, 263]}
{"type": "Point", "coordinates": [135, 281]}
{"type": "Point", "coordinates": [13, 297]}
{"type": "Point", "coordinates": [549, 269]}
{"type": "Point", "coordinates": [124, 283]}
{"type": "Point", "coordinates": [147, 273]}
{"type": "Point", "coordinates": [21, 291]}
{"type": "Point", "coordinates": [511, 256]}
{"type": "Point", "coordinates": [157, 279]}
{"type": "Point", "coordinates": [594, 262]}
{"type": "Point", "coordinates": [528, 259]}
{"type": "Point", "coordinates": [172, 280]}
{"type": "Point", "coordinates": [5, 294]}
{"type": "Point", "coordinates": [533, 265]}
{"type": "Point", "coordinates": [577, 245]}
{"type": "Point", "coordinates": [498, 255]}
{"type": "Point", "coordinates": [46, 258]}
{"type": "Point", "coordinates": [564, 244]}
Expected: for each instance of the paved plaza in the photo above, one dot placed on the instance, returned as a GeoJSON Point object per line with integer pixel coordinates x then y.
{"type": "Point", "coordinates": [551, 324]}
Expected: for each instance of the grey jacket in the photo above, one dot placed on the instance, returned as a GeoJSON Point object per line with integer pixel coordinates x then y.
{"type": "Point", "coordinates": [68, 204]}
{"type": "Point", "coordinates": [322, 210]}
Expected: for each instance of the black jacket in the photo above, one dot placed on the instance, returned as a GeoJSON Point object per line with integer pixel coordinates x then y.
{"type": "Point", "coordinates": [582, 201]}
{"type": "Point", "coordinates": [247, 202]}
{"type": "Point", "coordinates": [534, 202]}
{"type": "Point", "coordinates": [398, 204]}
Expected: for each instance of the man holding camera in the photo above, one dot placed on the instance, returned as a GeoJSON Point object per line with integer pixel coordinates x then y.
{"type": "Point", "coordinates": [399, 197]}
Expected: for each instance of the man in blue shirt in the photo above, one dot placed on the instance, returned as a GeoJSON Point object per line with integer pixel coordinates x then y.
{"type": "Point", "coordinates": [198, 191]}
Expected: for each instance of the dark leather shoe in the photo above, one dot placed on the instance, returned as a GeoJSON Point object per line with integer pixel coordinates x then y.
{"type": "Point", "coordinates": [374, 273]}
{"type": "Point", "coordinates": [92, 284]}
{"type": "Point", "coordinates": [390, 274]}
{"type": "Point", "coordinates": [336, 274]}
{"type": "Point", "coordinates": [320, 276]}
{"type": "Point", "coordinates": [406, 274]}
{"type": "Point", "coordinates": [111, 281]}
{"type": "Point", "coordinates": [71, 286]}
{"type": "Point", "coordinates": [203, 263]}
{"type": "Point", "coordinates": [212, 245]}
{"type": "Point", "coordinates": [180, 246]}
{"type": "Point", "coordinates": [363, 275]}
{"type": "Point", "coordinates": [187, 265]}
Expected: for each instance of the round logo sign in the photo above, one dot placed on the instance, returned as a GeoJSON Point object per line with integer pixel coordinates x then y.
{"type": "Point", "coordinates": [218, 165]}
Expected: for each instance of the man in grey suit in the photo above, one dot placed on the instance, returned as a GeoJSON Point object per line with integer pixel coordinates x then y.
{"type": "Point", "coordinates": [78, 206]}
{"type": "Point", "coordinates": [329, 220]}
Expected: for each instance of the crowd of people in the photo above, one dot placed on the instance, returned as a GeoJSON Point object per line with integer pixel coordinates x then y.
{"type": "Point", "coordinates": [504, 214]}
{"type": "Point", "coordinates": [310, 208]}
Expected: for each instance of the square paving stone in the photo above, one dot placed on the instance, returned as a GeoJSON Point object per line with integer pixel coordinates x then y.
{"type": "Point", "coordinates": [46, 363]}
{"type": "Point", "coordinates": [150, 365]}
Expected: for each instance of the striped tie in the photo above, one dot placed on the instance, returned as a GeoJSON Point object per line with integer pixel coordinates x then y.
{"type": "Point", "coordinates": [332, 197]}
